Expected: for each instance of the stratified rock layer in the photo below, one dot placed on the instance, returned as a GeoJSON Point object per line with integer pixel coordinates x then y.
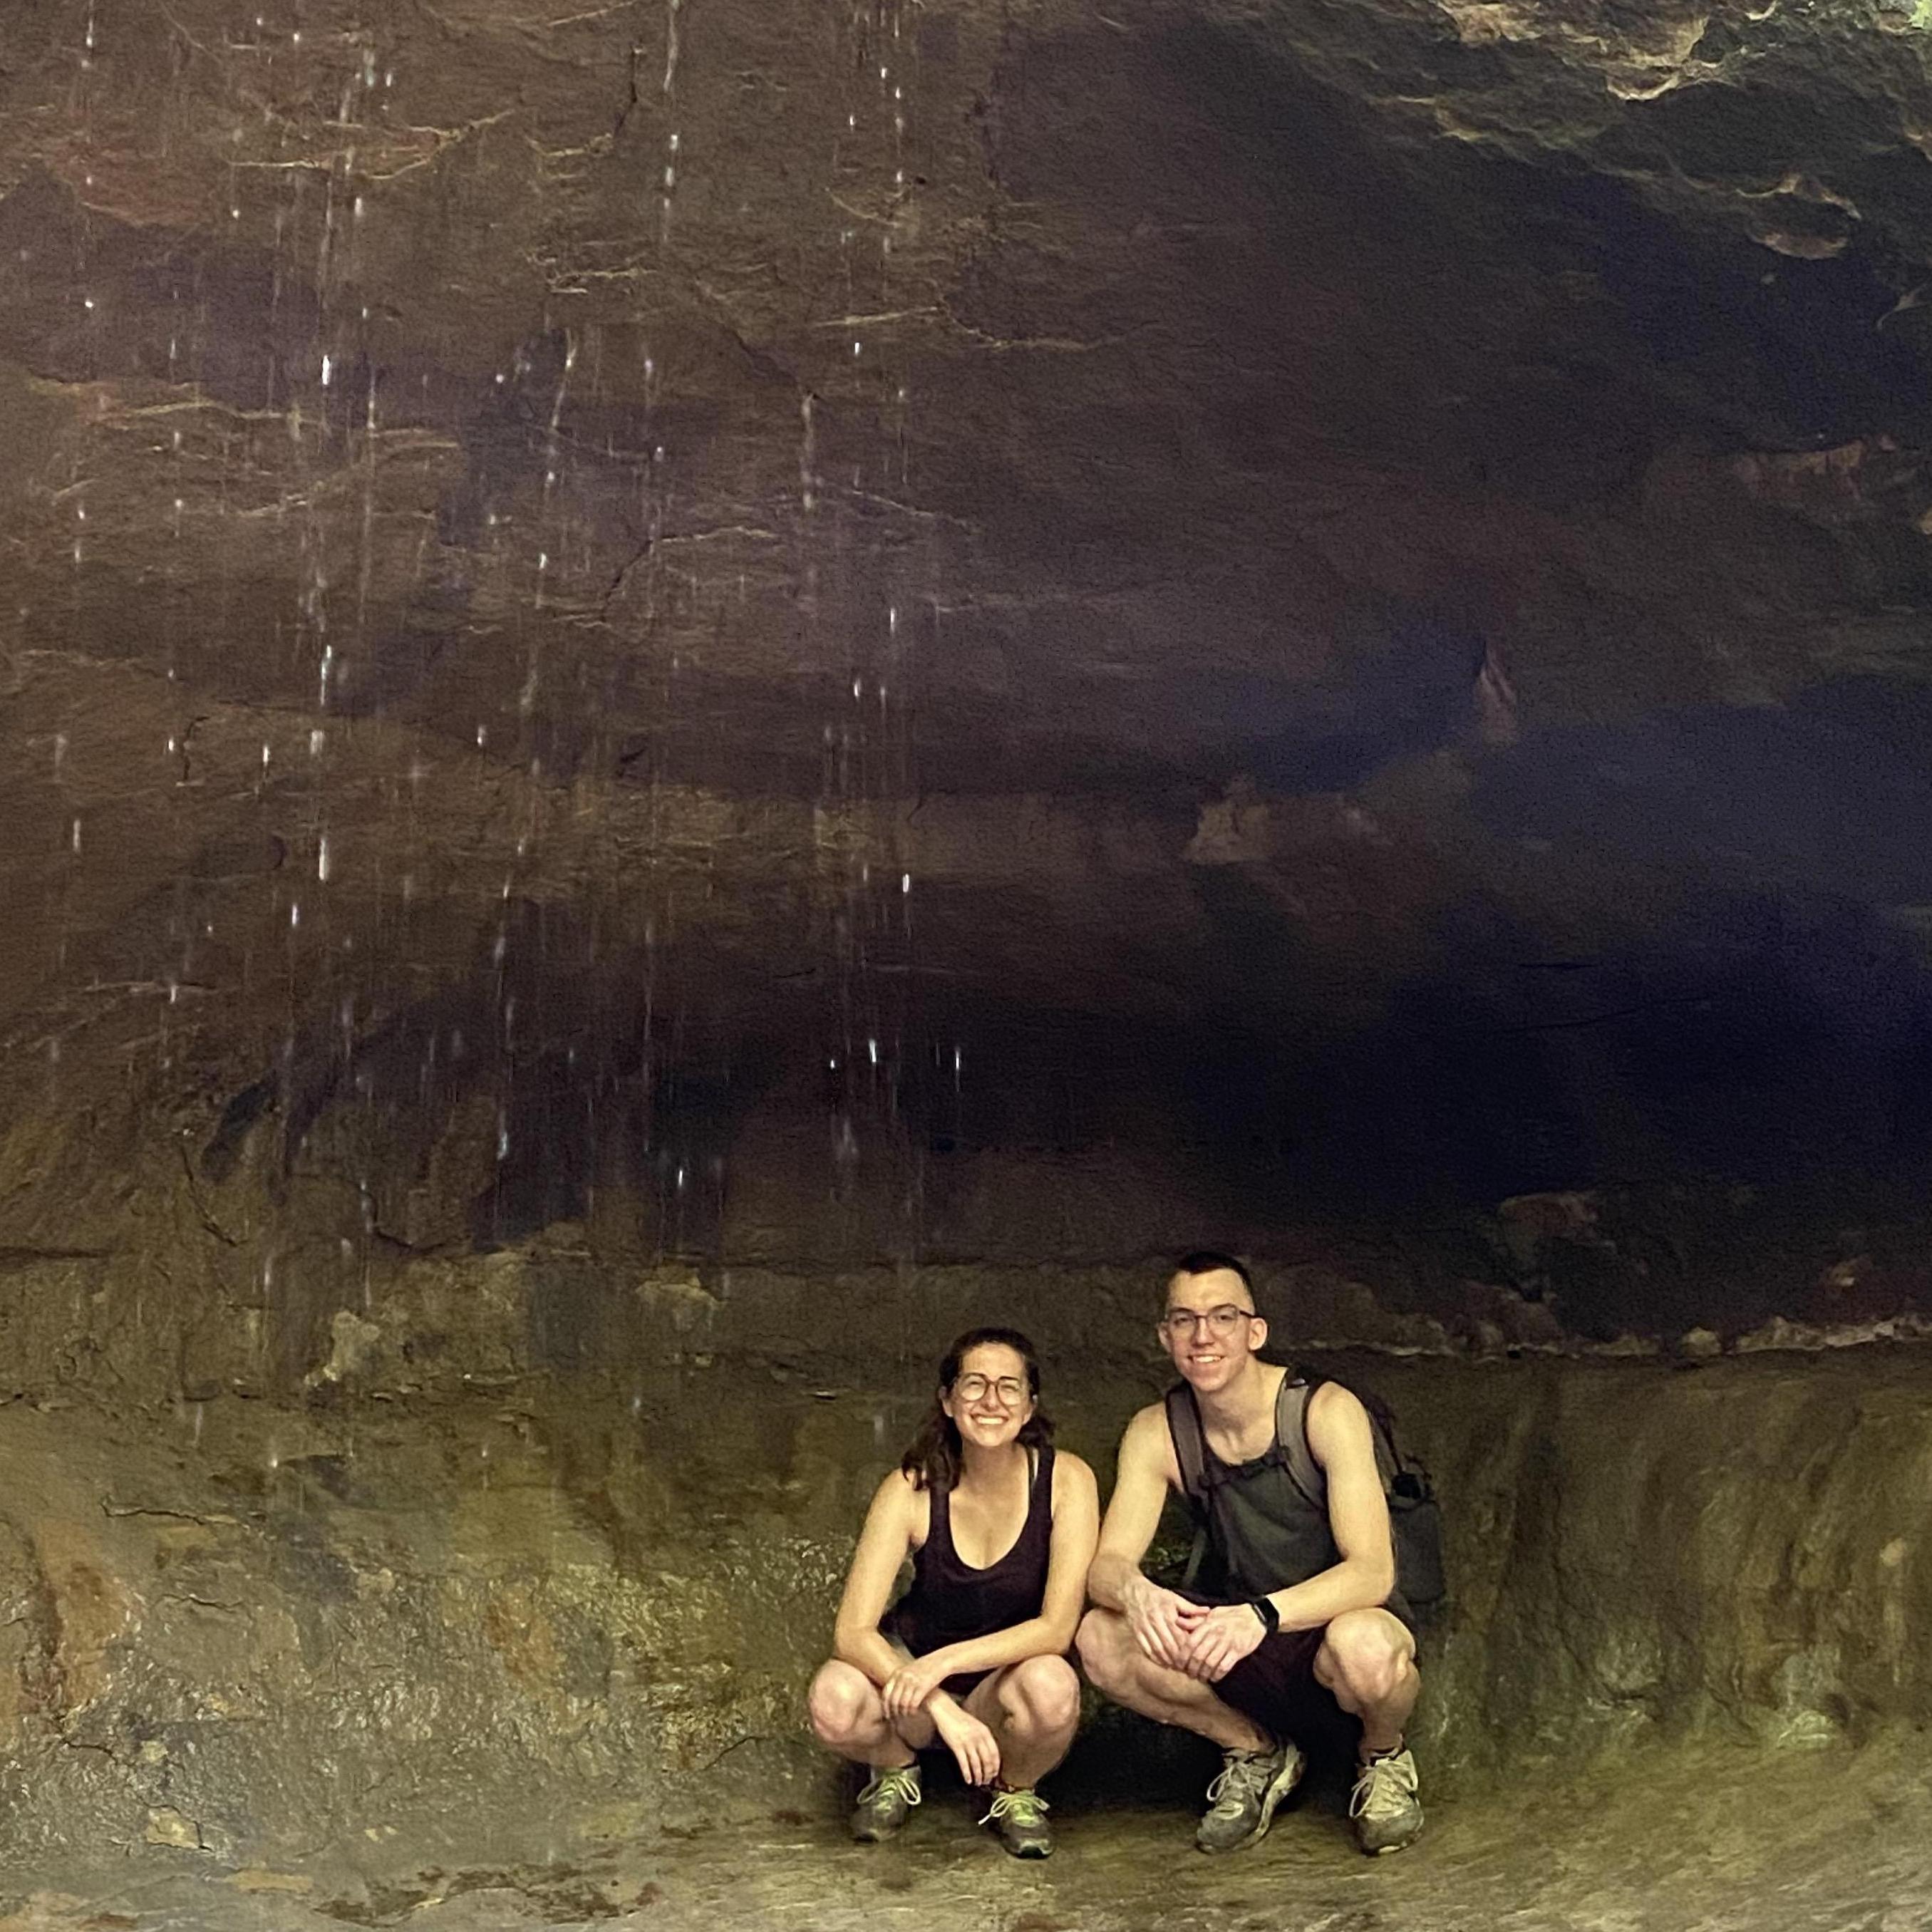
{"type": "Point", "coordinates": [750, 624]}
{"type": "Point", "coordinates": [269, 1633]}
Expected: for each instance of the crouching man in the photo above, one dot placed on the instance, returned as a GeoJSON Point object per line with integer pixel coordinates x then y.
{"type": "Point", "coordinates": [1304, 1642]}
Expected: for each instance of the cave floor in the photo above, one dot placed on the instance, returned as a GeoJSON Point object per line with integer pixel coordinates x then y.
{"type": "Point", "coordinates": [1824, 1840]}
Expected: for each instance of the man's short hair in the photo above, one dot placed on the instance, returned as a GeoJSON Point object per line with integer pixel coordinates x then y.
{"type": "Point", "coordinates": [1209, 1260]}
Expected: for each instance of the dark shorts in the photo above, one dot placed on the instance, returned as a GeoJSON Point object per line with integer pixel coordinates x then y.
{"type": "Point", "coordinates": [904, 1632]}
{"type": "Point", "coordinates": [1275, 1685]}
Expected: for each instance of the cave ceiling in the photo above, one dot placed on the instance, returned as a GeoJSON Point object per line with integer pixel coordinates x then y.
{"type": "Point", "coordinates": [1374, 536]}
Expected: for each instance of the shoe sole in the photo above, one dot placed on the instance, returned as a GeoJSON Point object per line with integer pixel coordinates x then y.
{"type": "Point", "coordinates": [1402, 1845]}
{"type": "Point", "coordinates": [1286, 1779]}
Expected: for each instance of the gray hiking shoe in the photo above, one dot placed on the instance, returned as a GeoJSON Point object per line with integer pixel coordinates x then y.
{"type": "Point", "coordinates": [1387, 1811]}
{"type": "Point", "coordinates": [1018, 1820]}
{"type": "Point", "coordinates": [1241, 1800]}
{"type": "Point", "coordinates": [885, 1804]}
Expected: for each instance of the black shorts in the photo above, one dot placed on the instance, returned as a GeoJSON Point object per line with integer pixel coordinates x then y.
{"type": "Point", "coordinates": [902, 1631]}
{"type": "Point", "coordinates": [1275, 1685]}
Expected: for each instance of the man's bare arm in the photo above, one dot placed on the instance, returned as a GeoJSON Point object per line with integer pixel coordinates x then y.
{"type": "Point", "coordinates": [1162, 1622]}
{"type": "Point", "coordinates": [1340, 1435]}
{"type": "Point", "coordinates": [1343, 1441]}
{"type": "Point", "coordinates": [1133, 1511]}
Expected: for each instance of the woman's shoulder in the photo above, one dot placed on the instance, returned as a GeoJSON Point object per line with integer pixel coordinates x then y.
{"type": "Point", "coordinates": [902, 1500]}
{"type": "Point", "coordinates": [1071, 1473]}
{"type": "Point", "coordinates": [899, 1493]}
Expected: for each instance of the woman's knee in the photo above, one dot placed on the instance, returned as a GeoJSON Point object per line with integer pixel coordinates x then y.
{"type": "Point", "coordinates": [836, 1703]}
{"type": "Point", "coordinates": [1041, 1693]}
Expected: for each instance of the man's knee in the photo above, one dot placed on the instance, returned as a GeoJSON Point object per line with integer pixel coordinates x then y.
{"type": "Point", "coordinates": [1102, 1641]}
{"type": "Point", "coordinates": [836, 1701]}
{"type": "Point", "coordinates": [1041, 1695]}
{"type": "Point", "coordinates": [1366, 1657]}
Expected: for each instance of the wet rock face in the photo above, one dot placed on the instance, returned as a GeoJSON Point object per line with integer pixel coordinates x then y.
{"type": "Point", "coordinates": [360, 1635]}
{"type": "Point", "coordinates": [689, 695]}
{"type": "Point", "coordinates": [927, 636]}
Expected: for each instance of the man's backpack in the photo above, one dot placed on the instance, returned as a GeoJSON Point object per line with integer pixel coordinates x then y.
{"type": "Point", "coordinates": [1415, 1517]}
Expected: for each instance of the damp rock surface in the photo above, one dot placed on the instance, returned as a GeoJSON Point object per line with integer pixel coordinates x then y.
{"type": "Point", "coordinates": [680, 619]}
{"type": "Point", "coordinates": [1724, 1841]}
{"type": "Point", "coordinates": [368, 1636]}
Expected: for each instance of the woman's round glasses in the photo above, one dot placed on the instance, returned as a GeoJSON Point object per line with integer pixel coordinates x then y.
{"type": "Point", "coordinates": [1223, 1321]}
{"type": "Point", "coordinates": [1010, 1391]}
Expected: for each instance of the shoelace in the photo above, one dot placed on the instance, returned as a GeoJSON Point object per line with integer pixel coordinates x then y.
{"type": "Point", "coordinates": [902, 1780]}
{"type": "Point", "coordinates": [1385, 1787]}
{"type": "Point", "coordinates": [1233, 1785]}
{"type": "Point", "coordinates": [1023, 1807]}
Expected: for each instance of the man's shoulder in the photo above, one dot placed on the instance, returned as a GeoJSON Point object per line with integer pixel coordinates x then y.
{"type": "Point", "coordinates": [1337, 1419]}
{"type": "Point", "coordinates": [1327, 1397]}
{"type": "Point", "coordinates": [1147, 1440]}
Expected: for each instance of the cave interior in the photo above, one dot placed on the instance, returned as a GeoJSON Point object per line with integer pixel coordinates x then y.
{"type": "Point", "coordinates": [692, 691]}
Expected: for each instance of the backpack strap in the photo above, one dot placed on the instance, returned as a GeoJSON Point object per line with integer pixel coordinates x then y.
{"type": "Point", "coordinates": [1290, 1450]}
{"type": "Point", "coordinates": [1190, 1449]}
{"type": "Point", "coordinates": [1190, 1455]}
{"type": "Point", "coordinates": [1291, 1433]}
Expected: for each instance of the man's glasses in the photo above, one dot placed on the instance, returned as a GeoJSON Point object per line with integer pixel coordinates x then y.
{"type": "Point", "coordinates": [1221, 1321]}
{"type": "Point", "coordinates": [1008, 1390]}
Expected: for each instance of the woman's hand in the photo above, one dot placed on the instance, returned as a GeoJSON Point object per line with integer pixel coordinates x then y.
{"type": "Point", "coordinates": [908, 1688]}
{"type": "Point", "coordinates": [973, 1746]}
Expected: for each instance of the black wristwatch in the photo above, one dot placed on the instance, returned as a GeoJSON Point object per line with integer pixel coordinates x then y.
{"type": "Point", "coordinates": [1263, 1608]}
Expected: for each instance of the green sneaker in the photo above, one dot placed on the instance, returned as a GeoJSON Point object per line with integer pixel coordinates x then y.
{"type": "Point", "coordinates": [1241, 1800]}
{"type": "Point", "coordinates": [1018, 1820]}
{"type": "Point", "coordinates": [1387, 1811]}
{"type": "Point", "coordinates": [885, 1804]}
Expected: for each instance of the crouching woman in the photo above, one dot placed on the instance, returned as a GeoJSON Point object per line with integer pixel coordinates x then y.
{"type": "Point", "coordinates": [1001, 1529]}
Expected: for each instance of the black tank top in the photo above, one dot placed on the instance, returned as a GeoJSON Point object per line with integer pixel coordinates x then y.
{"type": "Point", "coordinates": [1264, 1532]}
{"type": "Point", "coordinates": [951, 1602]}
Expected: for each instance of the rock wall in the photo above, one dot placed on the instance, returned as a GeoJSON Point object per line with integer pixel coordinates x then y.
{"type": "Point", "coordinates": [553, 1607]}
